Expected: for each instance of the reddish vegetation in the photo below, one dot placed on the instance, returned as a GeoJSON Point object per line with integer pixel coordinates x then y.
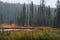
{"type": "Point", "coordinates": [15, 26]}
{"type": "Point", "coordinates": [8, 26]}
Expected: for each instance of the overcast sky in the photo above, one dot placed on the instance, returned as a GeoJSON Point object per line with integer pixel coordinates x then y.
{"type": "Point", "coordinates": [52, 3]}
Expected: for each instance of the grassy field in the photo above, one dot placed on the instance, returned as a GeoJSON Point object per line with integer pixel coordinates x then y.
{"type": "Point", "coordinates": [35, 34]}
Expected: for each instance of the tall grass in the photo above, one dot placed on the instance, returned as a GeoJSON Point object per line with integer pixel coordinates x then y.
{"type": "Point", "coordinates": [30, 35]}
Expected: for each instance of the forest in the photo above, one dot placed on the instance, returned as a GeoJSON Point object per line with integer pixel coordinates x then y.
{"type": "Point", "coordinates": [27, 14]}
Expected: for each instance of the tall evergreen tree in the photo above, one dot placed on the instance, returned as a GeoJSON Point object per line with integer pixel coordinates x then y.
{"type": "Point", "coordinates": [58, 14]}
{"type": "Point", "coordinates": [41, 13]}
{"type": "Point", "coordinates": [24, 12]}
{"type": "Point", "coordinates": [48, 16]}
{"type": "Point", "coordinates": [21, 17]}
{"type": "Point", "coordinates": [31, 14]}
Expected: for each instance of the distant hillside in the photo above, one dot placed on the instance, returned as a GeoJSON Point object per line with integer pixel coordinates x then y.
{"type": "Point", "coordinates": [9, 10]}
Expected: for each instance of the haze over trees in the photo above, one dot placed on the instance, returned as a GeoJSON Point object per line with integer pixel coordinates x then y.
{"type": "Point", "coordinates": [29, 14]}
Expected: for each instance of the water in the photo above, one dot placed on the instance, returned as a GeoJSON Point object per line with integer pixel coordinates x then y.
{"type": "Point", "coordinates": [29, 29]}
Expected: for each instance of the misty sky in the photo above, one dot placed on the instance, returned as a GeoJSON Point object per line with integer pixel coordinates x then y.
{"type": "Point", "coordinates": [52, 3]}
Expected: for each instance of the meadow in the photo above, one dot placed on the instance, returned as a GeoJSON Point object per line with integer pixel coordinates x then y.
{"type": "Point", "coordinates": [35, 34]}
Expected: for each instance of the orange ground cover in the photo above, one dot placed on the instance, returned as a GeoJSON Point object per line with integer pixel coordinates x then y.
{"type": "Point", "coordinates": [16, 26]}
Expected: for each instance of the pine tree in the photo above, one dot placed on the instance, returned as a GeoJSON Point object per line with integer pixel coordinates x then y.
{"type": "Point", "coordinates": [24, 8]}
{"type": "Point", "coordinates": [31, 14]}
{"type": "Point", "coordinates": [41, 13]}
{"type": "Point", "coordinates": [48, 15]}
{"type": "Point", "coordinates": [58, 14]}
{"type": "Point", "coordinates": [21, 17]}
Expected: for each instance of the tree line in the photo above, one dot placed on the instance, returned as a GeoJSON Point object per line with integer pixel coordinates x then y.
{"type": "Point", "coordinates": [27, 16]}
{"type": "Point", "coordinates": [42, 18]}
